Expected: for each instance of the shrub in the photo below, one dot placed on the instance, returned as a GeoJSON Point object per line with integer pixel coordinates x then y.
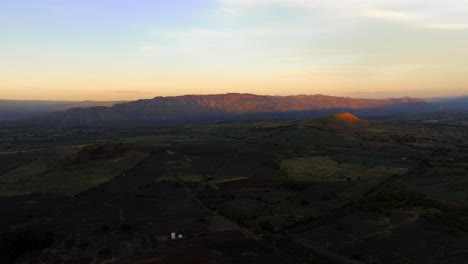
{"type": "Point", "coordinates": [266, 225]}
{"type": "Point", "coordinates": [15, 244]}
{"type": "Point", "coordinates": [105, 229]}
{"type": "Point", "coordinates": [395, 197]}
{"type": "Point", "coordinates": [125, 227]}
{"type": "Point", "coordinates": [105, 252]}
{"type": "Point", "coordinates": [294, 186]}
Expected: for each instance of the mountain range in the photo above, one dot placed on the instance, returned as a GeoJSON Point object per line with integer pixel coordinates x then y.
{"type": "Point", "coordinates": [21, 109]}
{"type": "Point", "coordinates": [450, 103]}
{"type": "Point", "coordinates": [232, 106]}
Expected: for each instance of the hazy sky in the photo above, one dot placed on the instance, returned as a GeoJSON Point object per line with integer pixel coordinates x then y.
{"type": "Point", "coordinates": [129, 49]}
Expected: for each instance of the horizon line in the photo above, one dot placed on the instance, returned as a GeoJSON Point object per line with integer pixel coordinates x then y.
{"type": "Point", "coordinates": [236, 93]}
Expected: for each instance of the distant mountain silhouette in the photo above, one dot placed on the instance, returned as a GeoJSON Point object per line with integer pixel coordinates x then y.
{"type": "Point", "coordinates": [451, 103]}
{"type": "Point", "coordinates": [189, 108]}
{"type": "Point", "coordinates": [17, 109]}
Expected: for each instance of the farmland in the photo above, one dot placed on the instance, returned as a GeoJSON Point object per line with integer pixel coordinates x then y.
{"type": "Point", "coordinates": [325, 190]}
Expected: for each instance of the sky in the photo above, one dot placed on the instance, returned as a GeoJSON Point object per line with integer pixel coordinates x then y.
{"type": "Point", "coordinates": [132, 49]}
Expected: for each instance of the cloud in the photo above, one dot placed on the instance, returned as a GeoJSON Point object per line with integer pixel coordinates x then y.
{"type": "Point", "coordinates": [149, 50]}
{"type": "Point", "coordinates": [414, 19]}
{"type": "Point", "coordinates": [205, 43]}
{"type": "Point", "coordinates": [437, 15]}
{"type": "Point", "coordinates": [446, 26]}
{"type": "Point", "coordinates": [230, 11]}
{"type": "Point", "coordinates": [391, 15]}
{"type": "Point", "coordinates": [317, 4]}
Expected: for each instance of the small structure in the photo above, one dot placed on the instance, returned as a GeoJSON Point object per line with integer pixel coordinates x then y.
{"type": "Point", "coordinates": [175, 236]}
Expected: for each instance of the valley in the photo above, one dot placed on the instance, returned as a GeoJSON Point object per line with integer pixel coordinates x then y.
{"type": "Point", "coordinates": [335, 189]}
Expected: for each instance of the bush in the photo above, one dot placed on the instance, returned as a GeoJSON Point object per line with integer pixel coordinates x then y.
{"type": "Point", "coordinates": [105, 252]}
{"type": "Point", "coordinates": [15, 244]}
{"type": "Point", "coordinates": [294, 186]}
{"type": "Point", "coordinates": [328, 197]}
{"type": "Point", "coordinates": [266, 225]}
{"type": "Point", "coordinates": [69, 243]}
{"type": "Point", "coordinates": [395, 197]}
{"type": "Point", "coordinates": [105, 229]}
{"type": "Point", "coordinates": [339, 228]}
{"type": "Point", "coordinates": [445, 222]}
{"type": "Point", "coordinates": [83, 245]}
{"type": "Point", "coordinates": [125, 227]}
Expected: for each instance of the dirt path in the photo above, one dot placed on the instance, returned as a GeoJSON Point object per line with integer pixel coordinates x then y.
{"type": "Point", "coordinates": [247, 233]}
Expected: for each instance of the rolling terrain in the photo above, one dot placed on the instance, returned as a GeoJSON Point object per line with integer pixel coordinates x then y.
{"type": "Point", "coordinates": [333, 189]}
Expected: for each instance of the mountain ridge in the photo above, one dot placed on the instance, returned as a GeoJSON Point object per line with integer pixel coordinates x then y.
{"type": "Point", "coordinates": [231, 106]}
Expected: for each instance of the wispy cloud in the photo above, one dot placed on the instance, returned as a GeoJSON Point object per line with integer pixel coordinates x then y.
{"type": "Point", "coordinates": [204, 43]}
{"type": "Point", "coordinates": [415, 13]}
{"type": "Point", "coordinates": [391, 15]}
{"type": "Point", "coordinates": [414, 19]}
{"type": "Point", "coordinates": [446, 26]}
{"type": "Point", "coordinates": [149, 50]}
{"type": "Point", "coordinates": [231, 11]}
